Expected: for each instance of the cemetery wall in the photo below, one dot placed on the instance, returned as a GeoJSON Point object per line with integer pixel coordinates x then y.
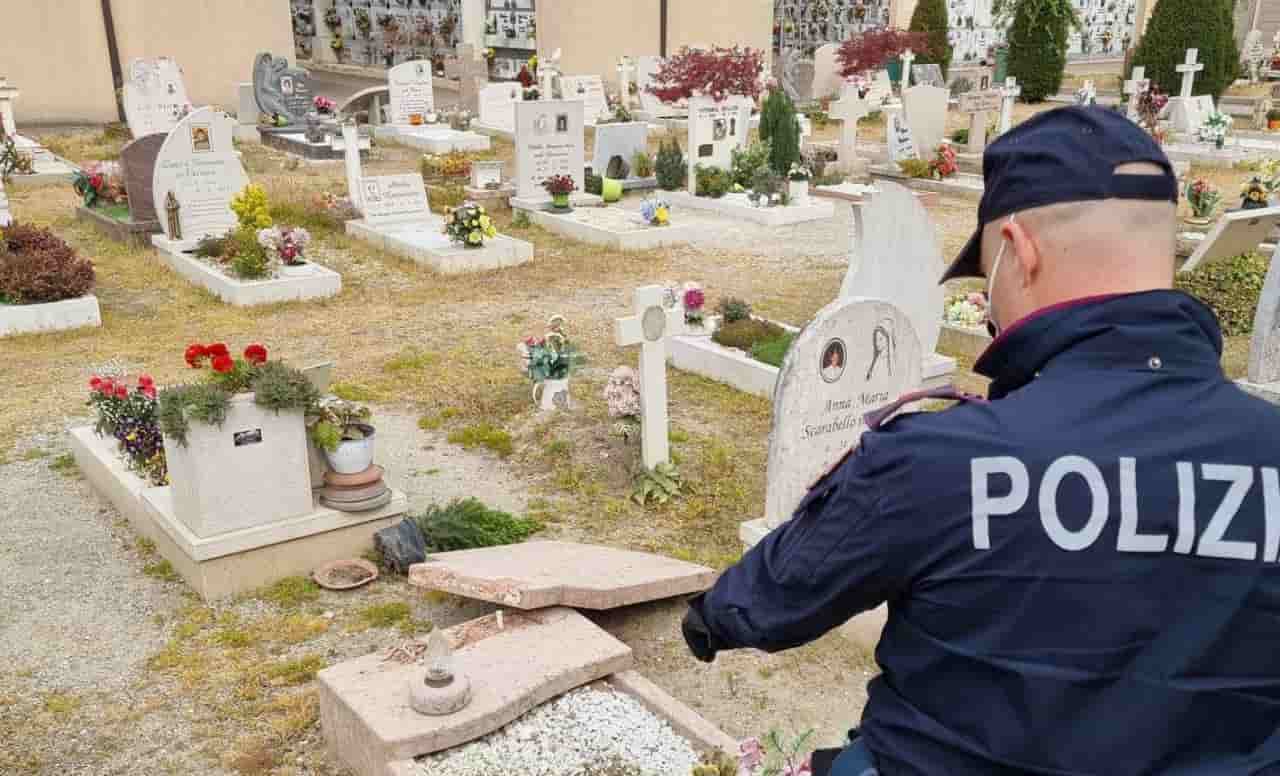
{"type": "Point", "coordinates": [61, 64]}
{"type": "Point", "coordinates": [593, 34]}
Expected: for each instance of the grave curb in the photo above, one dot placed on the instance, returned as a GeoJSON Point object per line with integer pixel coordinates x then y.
{"type": "Point", "coordinates": [498, 252]}
{"type": "Point", "coordinates": [928, 184]}
{"type": "Point", "coordinates": [466, 141]}
{"type": "Point", "coordinates": [132, 233]}
{"type": "Point", "coordinates": [686, 722]}
{"type": "Point", "coordinates": [77, 313]}
{"type": "Point", "coordinates": [321, 284]}
{"type": "Point", "coordinates": [641, 238]}
{"type": "Point", "coordinates": [965, 342]}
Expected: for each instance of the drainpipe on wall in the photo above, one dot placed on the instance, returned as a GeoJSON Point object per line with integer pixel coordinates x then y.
{"type": "Point", "coordinates": [662, 28]}
{"type": "Point", "coordinates": [113, 52]}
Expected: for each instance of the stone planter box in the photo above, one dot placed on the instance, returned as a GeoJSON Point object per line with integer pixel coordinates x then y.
{"type": "Point", "coordinates": [737, 206]}
{"type": "Point", "coordinates": [319, 283]}
{"type": "Point", "coordinates": [136, 234]}
{"type": "Point", "coordinates": [51, 316]}
{"type": "Point", "coordinates": [959, 185]}
{"type": "Point", "coordinates": [433, 139]}
{"type": "Point", "coordinates": [612, 227]}
{"type": "Point", "coordinates": [424, 243]}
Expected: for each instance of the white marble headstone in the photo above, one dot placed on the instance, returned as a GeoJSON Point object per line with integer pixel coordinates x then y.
{"type": "Point", "coordinates": [589, 89]}
{"type": "Point", "coordinates": [5, 217]}
{"type": "Point", "coordinates": [926, 108]}
{"type": "Point", "coordinates": [881, 88]}
{"type": "Point", "coordinates": [393, 198]}
{"type": "Point", "coordinates": [1237, 232]}
{"type": "Point", "coordinates": [351, 162]}
{"type": "Point", "coordinates": [618, 140]}
{"type": "Point", "coordinates": [1264, 350]}
{"type": "Point", "coordinates": [549, 141]}
{"type": "Point", "coordinates": [854, 357]}
{"type": "Point", "coordinates": [646, 67]}
{"type": "Point", "coordinates": [902, 144]}
{"type": "Point", "coordinates": [827, 81]}
{"type": "Point", "coordinates": [715, 130]}
{"type": "Point", "coordinates": [411, 90]}
{"type": "Point", "coordinates": [498, 105]}
{"type": "Point", "coordinates": [199, 164]}
{"type": "Point", "coordinates": [155, 96]}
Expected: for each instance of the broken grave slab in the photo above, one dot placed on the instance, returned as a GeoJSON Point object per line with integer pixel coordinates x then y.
{"type": "Point", "coordinates": [535, 575]}
{"type": "Point", "coordinates": [535, 656]}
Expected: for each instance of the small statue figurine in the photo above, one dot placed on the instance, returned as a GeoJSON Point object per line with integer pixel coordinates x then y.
{"type": "Point", "coordinates": [171, 209]}
{"type": "Point", "coordinates": [1254, 195]}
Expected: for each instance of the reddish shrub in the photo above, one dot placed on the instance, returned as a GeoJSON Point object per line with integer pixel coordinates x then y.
{"type": "Point", "coordinates": [36, 266]}
{"type": "Point", "coordinates": [718, 73]}
{"type": "Point", "coordinates": [871, 50]}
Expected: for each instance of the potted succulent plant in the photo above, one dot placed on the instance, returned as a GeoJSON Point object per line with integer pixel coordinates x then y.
{"type": "Point", "coordinates": [559, 187]}
{"type": "Point", "coordinates": [341, 429]}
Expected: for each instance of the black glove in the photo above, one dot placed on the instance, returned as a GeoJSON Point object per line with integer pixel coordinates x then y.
{"type": "Point", "coordinates": [696, 634]}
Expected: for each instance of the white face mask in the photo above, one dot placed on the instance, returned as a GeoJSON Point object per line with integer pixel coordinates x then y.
{"type": "Point", "coordinates": [992, 327]}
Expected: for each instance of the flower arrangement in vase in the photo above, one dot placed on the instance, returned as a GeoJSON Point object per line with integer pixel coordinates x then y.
{"type": "Point", "coordinates": [323, 105]}
{"type": "Point", "coordinates": [655, 212]}
{"type": "Point", "coordinates": [1253, 194]}
{"type": "Point", "coordinates": [966, 310]}
{"type": "Point", "coordinates": [549, 361]}
{"type": "Point", "coordinates": [100, 184]}
{"type": "Point", "coordinates": [285, 247]}
{"type": "Point", "coordinates": [1215, 129]}
{"type": "Point", "coordinates": [1203, 197]}
{"type": "Point", "coordinates": [694, 301]}
{"type": "Point", "coordinates": [469, 225]}
{"type": "Point", "coordinates": [559, 187]}
{"type": "Point", "coordinates": [944, 164]}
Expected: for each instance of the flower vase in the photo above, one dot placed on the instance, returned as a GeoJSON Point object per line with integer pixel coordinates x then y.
{"type": "Point", "coordinates": [1219, 143]}
{"type": "Point", "coordinates": [560, 201]}
{"type": "Point", "coordinates": [552, 395]}
{"type": "Point", "coordinates": [798, 192]}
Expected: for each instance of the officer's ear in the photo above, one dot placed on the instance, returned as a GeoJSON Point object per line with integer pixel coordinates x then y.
{"type": "Point", "coordinates": [1027, 255]}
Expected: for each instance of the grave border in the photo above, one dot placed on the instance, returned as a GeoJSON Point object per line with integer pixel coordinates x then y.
{"type": "Point", "coordinates": [778, 215]}
{"type": "Point", "coordinates": [498, 252]}
{"type": "Point", "coordinates": [466, 141]}
{"type": "Point", "coordinates": [133, 233]}
{"type": "Point", "coordinates": [64, 315]}
{"type": "Point", "coordinates": [321, 284]}
{"type": "Point", "coordinates": [641, 238]}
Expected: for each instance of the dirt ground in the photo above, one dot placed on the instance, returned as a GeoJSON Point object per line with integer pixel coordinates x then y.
{"type": "Point", "coordinates": [109, 662]}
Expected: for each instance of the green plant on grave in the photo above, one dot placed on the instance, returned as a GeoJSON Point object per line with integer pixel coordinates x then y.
{"type": "Point", "coordinates": [657, 485]}
{"type": "Point", "coordinates": [1037, 39]}
{"type": "Point", "coordinates": [773, 350]}
{"type": "Point", "coordinates": [780, 128]}
{"type": "Point", "coordinates": [746, 162]}
{"type": "Point", "coordinates": [1178, 25]}
{"type": "Point", "coordinates": [38, 266]}
{"type": "Point", "coordinates": [213, 246]}
{"type": "Point", "coordinates": [930, 18]}
{"type": "Point", "coordinates": [642, 164]}
{"type": "Point", "coordinates": [1230, 287]}
{"type": "Point", "coordinates": [251, 209]}
{"type": "Point", "coordinates": [520, 220]}
{"type": "Point", "coordinates": [915, 168]}
{"type": "Point", "coordinates": [181, 404]}
{"type": "Point", "coordinates": [593, 184]}
{"type": "Point", "coordinates": [960, 136]}
{"type": "Point", "coordinates": [249, 258]}
{"type": "Point", "coordinates": [712, 182]}
{"type": "Point", "coordinates": [12, 160]}
{"type": "Point", "coordinates": [465, 524]}
{"type": "Point", "coordinates": [333, 420]}
{"type": "Point", "coordinates": [765, 184]}
{"type": "Point", "coordinates": [281, 388]}
{"type": "Point", "coordinates": [670, 167]}
{"type": "Point", "coordinates": [715, 763]}
{"type": "Point", "coordinates": [734, 309]}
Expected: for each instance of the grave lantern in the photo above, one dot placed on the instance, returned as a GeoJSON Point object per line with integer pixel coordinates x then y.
{"type": "Point", "coordinates": [171, 208]}
{"type": "Point", "coordinates": [441, 690]}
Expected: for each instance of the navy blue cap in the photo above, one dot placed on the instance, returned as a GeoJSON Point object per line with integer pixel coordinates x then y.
{"type": "Point", "coordinates": [1064, 155]}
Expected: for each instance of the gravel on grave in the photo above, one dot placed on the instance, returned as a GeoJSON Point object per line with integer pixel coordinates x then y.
{"type": "Point", "coordinates": [573, 735]}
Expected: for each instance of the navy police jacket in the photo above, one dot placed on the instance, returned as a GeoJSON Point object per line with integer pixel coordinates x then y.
{"type": "Point", "coordinates": [1081, 574]}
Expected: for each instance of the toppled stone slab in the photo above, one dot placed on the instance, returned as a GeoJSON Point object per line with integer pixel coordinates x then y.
{"type": "Point", "coordinates": [535, 575]}
{"type": "Point", "coordinates": [364, 703]}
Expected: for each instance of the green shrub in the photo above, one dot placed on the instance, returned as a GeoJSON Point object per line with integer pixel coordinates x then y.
{"type": "Point", "coordinates": [744, 334]}
{"type": "Point", "coordinates": [915, 168]}
{"type": "Point", "coordinates": [960, 137]}
{"type": "Point", "coordinates": [773, 350]}
{"type": "Point", "coordinates": [37, 266]}
{"type": "Point", "coordinates": [712, 181]}
{"type": "Point", "coordinates": [670, 167]}
{"type": "Point", "coordinates": [930, 17]}
{"type": "Point", "coordinates": [1230, 287]}
{"type": "Point", "coordinates": [249, 260]}
{"type": "Point", "coordinates": [1038, 45]}
{"type": "Point", "coordinates": [183, 403]}
{"type": "Point", "coordinates": [465, 524]}
{"type": "Point", "coordinates": [733, 309]}
{"type": "Point", "coordinates": [747, 162]}
{"type": "Point", "coordinates": [1177, 25]}
{"type": "Point", "coordinates": [593, 184]}
{"type": "Point", "coordinates": [641, 164]}
{"type": "Point", "coordinates": [780, 128]}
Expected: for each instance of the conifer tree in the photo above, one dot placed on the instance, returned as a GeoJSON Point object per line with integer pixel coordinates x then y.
{"type": "Point", "coordinates": [1038, 43]}
{"type": "Point", "coordinates": [1178, 25]}
{"type": "Point", "coordinates": [930, 17]}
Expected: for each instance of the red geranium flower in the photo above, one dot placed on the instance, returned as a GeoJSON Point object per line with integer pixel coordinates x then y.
{"type": "Point", "coordinates": [144, 380]}
{"type": "Point", "coordinates": [148, 390]}
{"type": "Point", "coordinates": [195, 356]}
{"type": "Point", "coordinates": [122, 392]}
{"type": "Point", "coordinates": [95, 382]}
{"type": "Point", "coordinates": [256, 354]}
{"type": "Point", "coordinates": [223, 363]}
{"type": "Point", "coordinates": [218, 349]}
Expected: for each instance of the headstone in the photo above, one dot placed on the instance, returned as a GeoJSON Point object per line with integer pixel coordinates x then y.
{"type": "Point", "coordinates": [827, 81]}
{"type": "Point", "coordinates": [715, 130]}
{"type": "Point", "coordinates": [978, 105]}
{"type": "Point", "coordinates": [902, 144]}
{"type": "Point", "coordinates": [280, 89]}
{"type": "Point", "coordinates": [881, 89]}
{"type": "Point", "coordinates": [484, 173]}
{"type": "Point", "coordinates": [138, 166]}
{"type": "Point", "coordinates": [1087, 94]}
{"type": "Point", "coordinates": [619, 140]}
{"type": "Point", "coordinates": [155, 96]}
{"type": "Point", "coordinates": [411, 90]}
{"type": "Point", "coordinates": [6, 217]}
{"type": "Point", "coordinates": [929, 75]}
{"type": "Point", "coordinates": [1134, 88]}
{"type": "Point", "coordinates": [393, 198]}
{"type": "Point", "coordinates": [351, 161]}
{"type": "Point", "coordinates": [1008, 96]}
{"type": "Point", "coordinates": [1264, 349]}
{"type": "Point", "coordinates": [549, 141]}
{"type": "Point", "coordinates": [589, 89]}
{"type": "Point", "coordinates": [649, 328]}
{"type": "Point", "coordinates": [626, 79]}
{"type": "Point", "coordinates": [8, 94]}
{"type": "Point", "coordinates": [498, 105]}
{"type": "Point", "coordinates": [198, 164]}
{"type": "Point", "coordinates": [848, 110]}
{"type": "Point", "coordinates": [926, 109]}
{"type": "Point", "coordinates": [536, 575]}
{"type": "Point", "coordinates": [907, 58]}
{"type": "Point", "coordinates": [473, 76]}
{"type": "Point", "coordinates": [854, 357]}
{"type": "Point", "coordinates": [1237, 232]}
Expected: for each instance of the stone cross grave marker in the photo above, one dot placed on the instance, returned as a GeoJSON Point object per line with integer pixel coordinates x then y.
{"type": "Point", "coordinates": [1189, 69]}
{"type": "Point", "coordinates": [411, 91]}
{"type": "Point", "coordinates": [155, 96]}
{"type": "Point", "coordinates": [848, 110]}
{"type": "Point", "coordinates": [278, 88]}
{"type": "Point", "coordinates": [549, 141]}
{"type": "Point", "coordinates": [827, 80]}
{"type": "Point", "coordinates": [1134, 88]}
{"type": "Point", "coordinates": [8, 95]}
{"type": "Point", "coordinates": [351, 161]}
{"type": "Point", "coordinates": [1009, 95]}
{"type": "Point", "coordinates": [1264, 348]}
{"type": "Point", "coordinates": [908, 57]}
{"type": "Point", "coordinates": [626, 77]}
{"type": "Point", "coordinates": [715, 130]}
{"type": "Point", "coordinates": [199, 166]}
{"type": "Point", "coordinates": [549, 76]}
{"type": "Point", "coordinates": [926, 110]}
{"type": "Point", "coordinates": [649, 328]}
{"type": "Point", "coordinates": [138, 165]}
{"type": "Point", "coordinates": [855, 356]}
{"type": "Point", "coordinates": [978, 105]}
{"type": "Point", "coordinates": [881, 88]}
{"type": "Point", "coordinates": [498, 105]}
{"type": "Point", "coordinates": [589, 89]}
{"type": "Point", "coordinates": [1235, 233]}
{"type": "Point", "coordinates": [902, 144]}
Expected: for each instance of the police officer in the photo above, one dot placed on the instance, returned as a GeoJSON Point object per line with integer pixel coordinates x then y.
{"type": "Point", "coordinates": [1081, 573]}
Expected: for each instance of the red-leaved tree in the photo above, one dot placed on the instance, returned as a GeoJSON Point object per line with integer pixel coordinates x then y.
{"type": "Point", "coordinates": [717, 73]}
{"type": "Point", "coordinates": [871, 50]}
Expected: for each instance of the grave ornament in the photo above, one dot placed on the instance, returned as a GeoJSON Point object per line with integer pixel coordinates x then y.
{"type": "Point", "coordinates": [281, 90]}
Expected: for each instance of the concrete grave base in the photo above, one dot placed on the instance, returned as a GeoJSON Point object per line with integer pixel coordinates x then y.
{"type": "Point", "coordinates": [639, 184]}
{"type": "Point", "coordinates": [136, 234]}
{"type": "Point", "coordinates": [425, 243]}
{"type": "Point", "coordinates": [294, 141]}
{"type": "Point", "coordinates": [576, 199]}
{"type": "Point", "coordinates": [236, 561]}
{"type": "Point", "coordinates": [502, 133]}
{"type": "Point", "coordinates": [613, 227]}
{"type": "Point", "coordinates": [315, 282]}
{"type": "Point", "coordinates": [433, 139]}
{"type": "Point", "coordinates": [1208, 156]}
{"type": "Point", "coordinates": [364, 703]}
{"type": "Point", "coordinates": [963, 341]}
{"type": "Point", "coordinates": [247, 133]}
{"type": "Point", "coordinates": [492, 200]}
{"type": "Point", "coordinates": [738, 206]}
{"type": "Point", "coordinates": [961, 184]}
{"type": "Point", "coordinates": [77, 313]}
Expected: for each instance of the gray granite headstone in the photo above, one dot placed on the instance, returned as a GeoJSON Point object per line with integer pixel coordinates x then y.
{"type": "Point", "coordinates": [278, 88]}
{"type": "Point", "coordinates": [618, 140]}
{"type": "Point", "coordinates": [138, 163]}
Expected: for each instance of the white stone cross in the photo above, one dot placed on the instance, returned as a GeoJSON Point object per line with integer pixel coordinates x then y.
{"type": "Point", "coordinates": [649, 328]}
{"type": "Point", "coordinates": [1008, 95]}
{"type": "Point", "coordinates": [7, 95]}
{"type": "Point", "coordinates": [626, 70]}
{"type": "Point", "coordinates": [1189, 70]}
{"type": "Point", "coordinates": [908, 57]}
{"type": "Point", "coordinates": [547, 73]}
{"type": "Point", "coordinates": [351, 157]}
{"type": "Point", "coordinates": [1135, 87]}
{"type": "Point", "coordinates": [848, 110]}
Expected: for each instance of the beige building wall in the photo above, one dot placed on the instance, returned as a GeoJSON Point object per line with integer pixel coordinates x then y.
{"type": "Point", "coordinates": [593, 34]}
{"type": "Point", "coordinates": [55, 51]}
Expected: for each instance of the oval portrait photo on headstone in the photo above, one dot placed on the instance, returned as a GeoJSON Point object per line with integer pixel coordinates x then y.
{"type": "Point", "coordinates": [834, 357]}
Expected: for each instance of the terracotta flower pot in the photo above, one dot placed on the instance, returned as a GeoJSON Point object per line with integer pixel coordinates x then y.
{"type": "Point", "coordinates": [415, 119]}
